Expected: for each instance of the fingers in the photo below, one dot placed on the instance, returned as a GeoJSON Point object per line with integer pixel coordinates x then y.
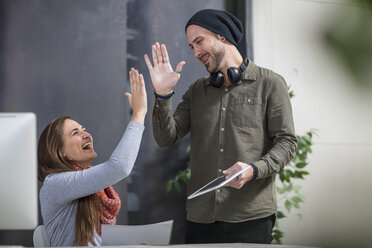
{"type": "Point", "coordinates": [137, 83]}
{"type": "Point", "coordinates": [135, 80]}
{"type": "Point", "coordinates": [237, 184]}
{"type": "Point", "coordinates": [164, 53]}
{"type": "Point", "coordinates": [179, 67]}
{"type": "Point", "coordinates": [240, 180]}
{"type": "Point", "coordinates": [131, 79]}
{"type": "Point", "coordinates": [228, 172]}
{"type": "Point", "coordinates": [154, 55]}
{"type": "Point", "coordinates": [148, 62]}
{"type": "Point", "coordinates": [141, 85]}
{"type": "Point", "coordinates": [137, 98]}
{"type": "Point", "coordinates": [159, 55]}
{"type": "Point", "coordinates": [129, 98]}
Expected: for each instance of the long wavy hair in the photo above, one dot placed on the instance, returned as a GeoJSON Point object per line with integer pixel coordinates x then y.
{"type": "Point", "coordinates": [51, 160]}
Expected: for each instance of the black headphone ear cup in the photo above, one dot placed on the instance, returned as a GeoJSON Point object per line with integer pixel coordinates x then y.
{"type": "Point", "coordinates": [234, 75]}
{"type": "Point", "coordinates": [244, 65]}
{"type": "Point", "coordinates": [217, 79]}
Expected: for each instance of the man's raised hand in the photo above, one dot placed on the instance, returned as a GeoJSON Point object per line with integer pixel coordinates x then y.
{"type": "Point", "coordinates": [163, 78]}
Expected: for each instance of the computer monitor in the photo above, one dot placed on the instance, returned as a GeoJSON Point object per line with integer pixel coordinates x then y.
{"type": "Point", "coordinates": [18, 171]}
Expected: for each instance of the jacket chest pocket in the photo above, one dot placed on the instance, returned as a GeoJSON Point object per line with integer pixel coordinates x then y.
{"type": "Point", "coordinates": [247, 111]}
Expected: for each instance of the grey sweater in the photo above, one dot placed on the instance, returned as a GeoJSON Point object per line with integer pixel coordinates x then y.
{"type": "Point", "coordinates": [60, 192]}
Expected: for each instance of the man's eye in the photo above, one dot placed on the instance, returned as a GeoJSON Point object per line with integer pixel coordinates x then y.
{"type": "Point", "coordinates": [74, 133]}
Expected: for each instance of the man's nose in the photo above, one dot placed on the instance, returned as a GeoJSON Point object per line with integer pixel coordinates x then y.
{"type": "Point", "coordinates": [197, 53]}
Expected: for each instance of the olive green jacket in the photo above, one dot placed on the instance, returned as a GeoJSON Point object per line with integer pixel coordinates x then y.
{"type": "Point", "coordinates": [250, 122]}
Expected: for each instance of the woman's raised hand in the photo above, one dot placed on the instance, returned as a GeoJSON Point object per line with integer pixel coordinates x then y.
{"type": "Point", "coordinates": [162, 75]}
{"type": "Point", "coordinates": [138, 97]}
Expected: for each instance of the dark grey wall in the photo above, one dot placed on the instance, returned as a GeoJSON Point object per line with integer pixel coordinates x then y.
{"type": "Point", "coordinates": [60, 57]}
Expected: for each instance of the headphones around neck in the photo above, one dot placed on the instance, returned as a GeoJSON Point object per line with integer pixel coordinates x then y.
{"type": "Point", "coordinates": [233, 73]}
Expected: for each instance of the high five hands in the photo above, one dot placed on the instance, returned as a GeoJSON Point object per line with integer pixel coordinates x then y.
{"type": "Point", "coordinates": [163, 78]}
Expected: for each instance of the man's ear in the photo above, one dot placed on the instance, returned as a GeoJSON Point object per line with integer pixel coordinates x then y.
{"type": "Point", "coordinates": [221, 38]}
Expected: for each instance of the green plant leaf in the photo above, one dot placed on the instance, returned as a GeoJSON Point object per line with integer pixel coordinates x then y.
{"type": "Point", "coordinates": [297, 189]}
{"type": "Point", "coordinates": [188, 174]}
{"type": "Point", "coordinates": [289, 173]}
{"type": "Point", "coordinates": [287, 179]}
{"type": "Point", "coordinates": [280, 215]}
{"type": "Point", "coordinates": [307, 139]}
{"type": "Point", "coordinates": [300, 157]}
{"type": "Point", "coordinates": [289, 187]}
{"type": "Point", "coordinates": [282, 176]}
{"type": "Point", "coordinates": [310, 134]}
{"type": "Point", "coordinates": [277, 235]}
{"type": "Point", "coordinates": [297, 159]}
{"type": "Point", "coordinates": [177, 186]}
{"type": "Point", "coordinates": [301, 165]}
{"type": "Point", "coordinates": [281, 190]}
{"type": "Point", "coordinates": [305, 172]}
{"type": "Point", "coordinates": [169, 185]}
{"type": "Point", "coordinates": [288, 205]}
{"type": "Point", "coordinates": [296, 199]}
{"type": "Point", "coordinates": [299, 194]}
{"type": "Point", "coordinates": [299, 174]}
{"type": "Point", "coordinates": [184, 177]}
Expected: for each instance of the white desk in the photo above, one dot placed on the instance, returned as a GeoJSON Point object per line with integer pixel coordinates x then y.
{"type": "Point", "coordinates": [225, 245]}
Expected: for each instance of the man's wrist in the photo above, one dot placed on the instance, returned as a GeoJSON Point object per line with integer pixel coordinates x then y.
{"type": "Point", "coordinates": [255, 171]}
{"type": "Point", "coordinates": [163, 95]}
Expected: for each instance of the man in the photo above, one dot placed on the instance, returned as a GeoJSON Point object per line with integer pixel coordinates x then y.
{"type": "Point", "coordinates": [240, 116]}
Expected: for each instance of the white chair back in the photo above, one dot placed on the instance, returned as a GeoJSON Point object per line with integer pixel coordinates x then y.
{"type": "Point", "coordinates": [152, 234]}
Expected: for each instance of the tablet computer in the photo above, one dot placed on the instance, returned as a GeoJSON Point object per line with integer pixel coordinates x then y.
{"type": "Point", "coordinates": [217, 183]}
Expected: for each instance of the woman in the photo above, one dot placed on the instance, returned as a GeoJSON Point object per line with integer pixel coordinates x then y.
{"type": "Point", "coordinates": [75, 197]}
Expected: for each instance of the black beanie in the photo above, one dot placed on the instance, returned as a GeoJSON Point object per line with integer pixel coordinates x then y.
{"type": "Point", "coordinates": [219, 22]}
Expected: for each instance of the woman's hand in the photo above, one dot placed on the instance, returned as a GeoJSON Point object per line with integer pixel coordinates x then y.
{"type": "Point", "coordinates": [138, 97]}
{"type": "Point", "coordinates": [162, 75]}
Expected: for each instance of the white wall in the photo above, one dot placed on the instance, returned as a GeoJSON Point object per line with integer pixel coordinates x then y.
{"type": "Point", "coordinates": [287, 39]}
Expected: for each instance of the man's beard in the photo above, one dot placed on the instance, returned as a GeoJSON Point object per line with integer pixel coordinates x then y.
{"type": "Point", "coordinates": [217, 56]}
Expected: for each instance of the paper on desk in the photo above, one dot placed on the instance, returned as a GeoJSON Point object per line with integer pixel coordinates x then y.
{"type": "Point", "coordinates": [151, 234]}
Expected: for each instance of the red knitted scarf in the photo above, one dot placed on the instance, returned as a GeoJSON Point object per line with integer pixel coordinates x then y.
{"type": "Point", "coordinates": [110, 203]}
